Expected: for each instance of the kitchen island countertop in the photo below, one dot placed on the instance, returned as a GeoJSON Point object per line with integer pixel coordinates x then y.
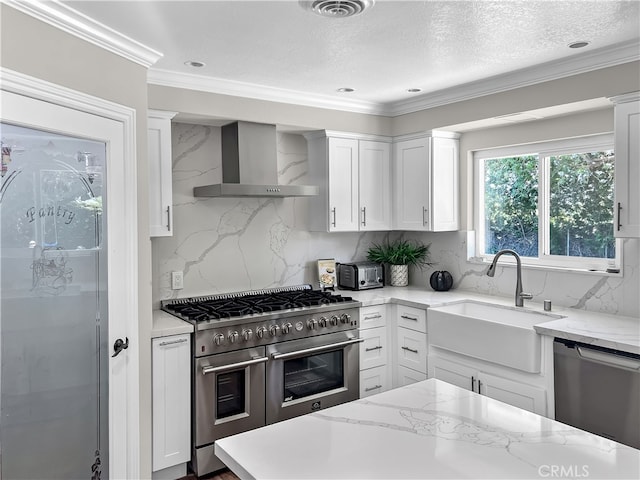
{"type": "Point", "coordinates": [429, 429]}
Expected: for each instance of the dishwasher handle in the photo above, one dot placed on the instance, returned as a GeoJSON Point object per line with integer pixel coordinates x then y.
{"type": "Point", "coordinates": [608, 358]}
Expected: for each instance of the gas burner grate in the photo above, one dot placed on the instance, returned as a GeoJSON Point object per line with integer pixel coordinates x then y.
{"type": "Point", "coordinates": [240, 304]}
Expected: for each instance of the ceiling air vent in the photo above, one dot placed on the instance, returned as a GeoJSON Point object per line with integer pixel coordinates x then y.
{"type": "Point", "coordinates": [336, 8]}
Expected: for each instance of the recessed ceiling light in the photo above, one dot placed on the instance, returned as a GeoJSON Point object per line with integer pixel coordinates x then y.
{"type": "Point", "coordinates": [336, 8]}
{"type": "Point", "coordinates": [414, 90]}
{"type": "Point", "coordinates": [193, 63]}
{"type": "Point", "coordinates": [345, 90]}
{"type": "Point", "coordinates": [579, 44]}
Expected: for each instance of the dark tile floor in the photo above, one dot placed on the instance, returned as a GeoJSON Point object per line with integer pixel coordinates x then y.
{"type": "Point", "coordinates": [219, 475]}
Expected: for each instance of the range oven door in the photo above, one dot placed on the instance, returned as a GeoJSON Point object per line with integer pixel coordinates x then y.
{"type": "Point", "coordinates": [312, 373]}
{"type": "Point", "coordinates": [229, 390]}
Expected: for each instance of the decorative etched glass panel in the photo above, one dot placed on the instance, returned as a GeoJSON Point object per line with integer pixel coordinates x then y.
{"type": "Point", "coordinates": [53, 307]}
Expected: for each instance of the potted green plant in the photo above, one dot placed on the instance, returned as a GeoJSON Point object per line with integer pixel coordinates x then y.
{"type": "Point", "coordinates": [399, 255]}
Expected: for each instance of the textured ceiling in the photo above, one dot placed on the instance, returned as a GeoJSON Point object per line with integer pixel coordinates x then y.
{"type": "Point", "coordinates": [394, 46]}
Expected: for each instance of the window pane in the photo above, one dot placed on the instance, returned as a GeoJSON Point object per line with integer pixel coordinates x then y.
{"type": "Point", "coordinates": [511, 204]}
{"type": "Point", "coordinates": [581, 205]}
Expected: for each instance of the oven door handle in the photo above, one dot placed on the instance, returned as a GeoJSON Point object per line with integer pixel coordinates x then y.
{"type": "Point", "coordinates": [234, 366]}
{"type": "Point", "coordinates": [297, 353]}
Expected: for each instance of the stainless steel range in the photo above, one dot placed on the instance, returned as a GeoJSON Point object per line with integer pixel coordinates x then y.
{"type": "Point", "coordinates": [264, 356]}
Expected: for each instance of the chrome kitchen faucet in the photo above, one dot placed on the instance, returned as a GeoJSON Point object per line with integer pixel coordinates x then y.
{"type": "Point", "coordinates": [491, 271]}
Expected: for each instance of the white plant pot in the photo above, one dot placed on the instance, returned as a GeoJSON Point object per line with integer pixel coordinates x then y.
{"type": "Point", "coordinates": [399, 275]}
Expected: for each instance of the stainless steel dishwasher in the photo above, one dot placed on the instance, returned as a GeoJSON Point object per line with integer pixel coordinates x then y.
{"type": "Point", "coordinates": [598, 390]}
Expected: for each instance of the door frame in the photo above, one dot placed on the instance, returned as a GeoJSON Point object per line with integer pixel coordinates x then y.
{"type": "Point", "coordinates": [56, 102]}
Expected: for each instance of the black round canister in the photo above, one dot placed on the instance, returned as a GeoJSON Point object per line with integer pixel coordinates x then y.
{"type": "Point", "coordinates": [441, 281]}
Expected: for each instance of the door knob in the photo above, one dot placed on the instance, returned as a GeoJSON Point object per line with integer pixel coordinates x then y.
{"type": "Point", "coordinates": [119, 345]}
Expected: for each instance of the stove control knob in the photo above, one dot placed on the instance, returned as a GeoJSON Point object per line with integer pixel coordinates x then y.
{"type": "Point", "coordinates": [233, 337]}
{"type": "Point", "coordinates": [286, 328]}
{"type": "Point", "coordinates": [345, 318]}
{"type": "Point", "coordinates": [247, 334]}
{"type": "Point", "coordinates": [334, 320]}
{"type": "Point", "coordinates": [261, 332]}
{"type": "Point", "coordinates": [273, 330]}
{"type": "Point", "coordinates": [218, 339]}
{"type": "Point", "coordinates": [323, 322]}
{"type": "Point", "coordinates": [312, 324]}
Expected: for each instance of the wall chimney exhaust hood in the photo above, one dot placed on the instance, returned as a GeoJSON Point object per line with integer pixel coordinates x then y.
{"type": "Point", "coordinates": [250, 165]}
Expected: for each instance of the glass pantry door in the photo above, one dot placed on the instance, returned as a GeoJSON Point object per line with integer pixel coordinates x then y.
{"type": "Point", "coordinates": [53, 307]}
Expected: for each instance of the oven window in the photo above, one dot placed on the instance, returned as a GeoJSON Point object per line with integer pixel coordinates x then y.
{"type": "Point", "coordinates": [230, 398]}
{"type": "Point", "coordinates": [313, 374]}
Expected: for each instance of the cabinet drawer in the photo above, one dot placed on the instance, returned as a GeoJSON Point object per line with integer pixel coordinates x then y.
{"type": "Point", "coordinates": [413, 318]}
{"type": "Point", "coordinates": [373, 316]}
{"type": "Point", "coordinates": [412, 349]}
{"type": "Point", "coordinates": [374, 350]}
{"type": "Point", "coordinates": [407, 376]}
{"type": "Point", "coordinates": [374, 380]}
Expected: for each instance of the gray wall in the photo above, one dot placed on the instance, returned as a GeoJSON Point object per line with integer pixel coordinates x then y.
{"type": "Point", "coordinates": [34, 48]}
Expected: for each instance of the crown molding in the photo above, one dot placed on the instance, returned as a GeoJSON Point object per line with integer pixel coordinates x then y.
{"type": "Point", "coordinates": [583, 63]}
{"type": "Point", "coordinates": [75, 23]}
{"type": "Point", "coordinates": [203, 83]}
{"type": "Point", "coordinates": [586, 62]}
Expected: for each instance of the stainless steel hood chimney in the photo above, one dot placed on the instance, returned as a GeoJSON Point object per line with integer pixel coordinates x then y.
{"type": "Point", "coordinates": [250, 165]}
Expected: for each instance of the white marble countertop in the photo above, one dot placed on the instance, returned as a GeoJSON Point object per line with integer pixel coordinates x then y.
{"type": "Point", "coordinates": [429, 429]}
{"type": "Point", "coordinates": [606, 330]}
{"type": "Point", "coordinates": [165, 324]}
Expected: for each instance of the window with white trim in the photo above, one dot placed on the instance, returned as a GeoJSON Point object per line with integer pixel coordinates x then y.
{"type": "Point", "coordinates": [552, 202]}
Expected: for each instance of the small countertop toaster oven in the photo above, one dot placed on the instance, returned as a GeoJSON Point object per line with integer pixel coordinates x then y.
{"type": "Point", "coordinates": [360, 275]}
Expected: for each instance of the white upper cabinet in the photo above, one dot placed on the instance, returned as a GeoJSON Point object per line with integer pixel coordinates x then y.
{"type": "Point", "coordinates": [425, 189]}
{"type": "Point", "coordinates": [353, 173]}
{"type": "Point", "coordinates": [375, 185]}
{"type": "Point", "coordinates": [160, 187]}
{"type": "Point", "coordinates": [627, 176]}
{"type": "Point", "coordinates": [342, 164]}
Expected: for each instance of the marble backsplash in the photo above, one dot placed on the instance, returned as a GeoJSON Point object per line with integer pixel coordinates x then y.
{"type": "Point", "coordinates": [236, 244]}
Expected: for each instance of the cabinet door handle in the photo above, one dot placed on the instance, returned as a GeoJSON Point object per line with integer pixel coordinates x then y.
{"type": "Point", "coordinates": [333, 213]}
{"type": "Point", "coordinates": [473, 384]}
{"type": "Point", "coordinates": [619, 223]}
{"type": "Point", "coordinates": [408, 317]}
{"type": "Point", "coordinates": [173, 342]}
{"type": "Point", "coordinates": [425, 214]}
{"type": "Point", "coordinates": [372, 388]}
{"type": "Point", "coordinates": [169, 218]}
{"type": "Point", "coordinates": [410, 349]}
{"type": "Point", "coordinates": [371, 317]}
{"type": "Point", "coordinates": [371, 349]}
{"type": "Point", "coordinates": [364, 216]}
{"type": "Point", "coordinates": [479, 386]}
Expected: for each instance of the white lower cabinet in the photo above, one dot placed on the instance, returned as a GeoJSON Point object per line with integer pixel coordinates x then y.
{"type": "Point", "coordinates": [412, 349]}
{"type": "Point", "coordinates": [522, 390]}
{"type": "Point", "coordinates": [407, 376]}
{"type": "Point", "coordinates": [374, 351]}
{"type": "Point", "coordinates": [374, 380]}
{"type": "Point", "coordinates": [410, 356]}
{"type": "Point", "coordinates": [171, 405]}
